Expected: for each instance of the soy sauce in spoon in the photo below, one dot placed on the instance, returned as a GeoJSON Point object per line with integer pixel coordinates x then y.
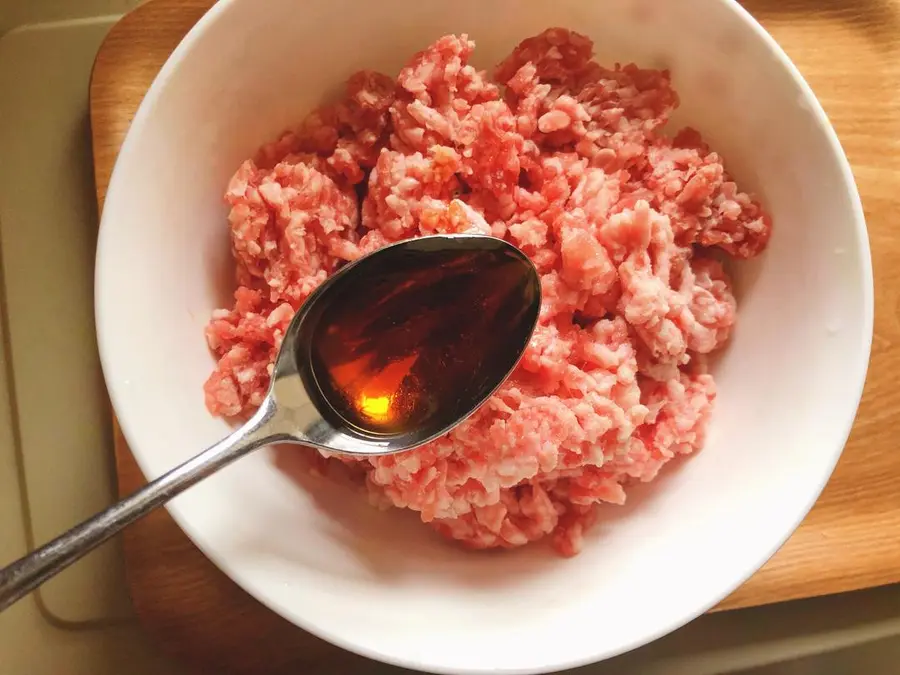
{"type": "Point", "coordinates": [418, 337]}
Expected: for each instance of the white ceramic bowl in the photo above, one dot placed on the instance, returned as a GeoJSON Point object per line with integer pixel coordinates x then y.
{"type": "Point", "coordinates": [380, 583]}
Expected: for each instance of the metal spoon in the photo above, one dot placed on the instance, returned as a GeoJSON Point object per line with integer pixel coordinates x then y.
{"type": "Point", "coordinates": [297, 408]}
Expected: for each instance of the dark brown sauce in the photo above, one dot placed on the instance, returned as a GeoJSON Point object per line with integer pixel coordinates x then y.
{"type": "Point", "coordinates": [421, 338]}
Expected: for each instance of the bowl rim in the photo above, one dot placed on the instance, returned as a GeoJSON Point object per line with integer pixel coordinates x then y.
{"type": "Point", "coordinates": [104, 319]}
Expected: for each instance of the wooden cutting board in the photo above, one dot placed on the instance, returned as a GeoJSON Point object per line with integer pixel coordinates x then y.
{"type": "Point", "coordinates": [849, 51]}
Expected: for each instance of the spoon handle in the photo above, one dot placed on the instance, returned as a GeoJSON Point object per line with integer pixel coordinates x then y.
{"type": "Point", "coordinates": [29, 572]}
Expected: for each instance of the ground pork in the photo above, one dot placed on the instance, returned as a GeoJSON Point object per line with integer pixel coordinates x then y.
{"type": "Point", "coordinates": [567, 160]}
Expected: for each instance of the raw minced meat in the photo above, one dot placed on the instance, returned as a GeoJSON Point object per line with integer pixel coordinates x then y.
{"type": "Point", "coordinates": [567, 160]}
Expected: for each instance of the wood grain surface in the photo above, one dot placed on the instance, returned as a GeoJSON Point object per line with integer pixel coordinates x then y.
{"type": "Point", "coordinates": [849, 51]}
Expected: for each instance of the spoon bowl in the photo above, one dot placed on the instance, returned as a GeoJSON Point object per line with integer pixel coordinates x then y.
{"type": "Point", "coordinates": [461, 308]}
{"type": "Point", "coordinates": [300, 406]}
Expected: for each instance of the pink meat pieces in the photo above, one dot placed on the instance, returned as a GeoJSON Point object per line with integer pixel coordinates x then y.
{"type": "Point", "coordinates": [568, 162]}
{"type": "Point", "coordinates": [490, 147]}
{"type": "Point", "coordinates": [689, 183]}
{"type": "Point", "coordinates": [437, 90]}
{"type": "Point", "coordinates": [550, 420]}
{"type": "Point", "coordinates": [443, 101]}
{"type": "Point", "coordinates": [348, 135]}
{"type": "Point", "coordinates": [625, 107]}
{"type": "Point", "coordinates": [245, 340]}
{"type": "Point", "coordinates": [559, 57]}
{"type": "Point", "coordinates": [566, 101]}
{"type": "Point", "coordinates": [290, 226]}
{"type": "Point", "coordinates": [679, 414]}
{"type": "Point", "coordinates": [402, 186]}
